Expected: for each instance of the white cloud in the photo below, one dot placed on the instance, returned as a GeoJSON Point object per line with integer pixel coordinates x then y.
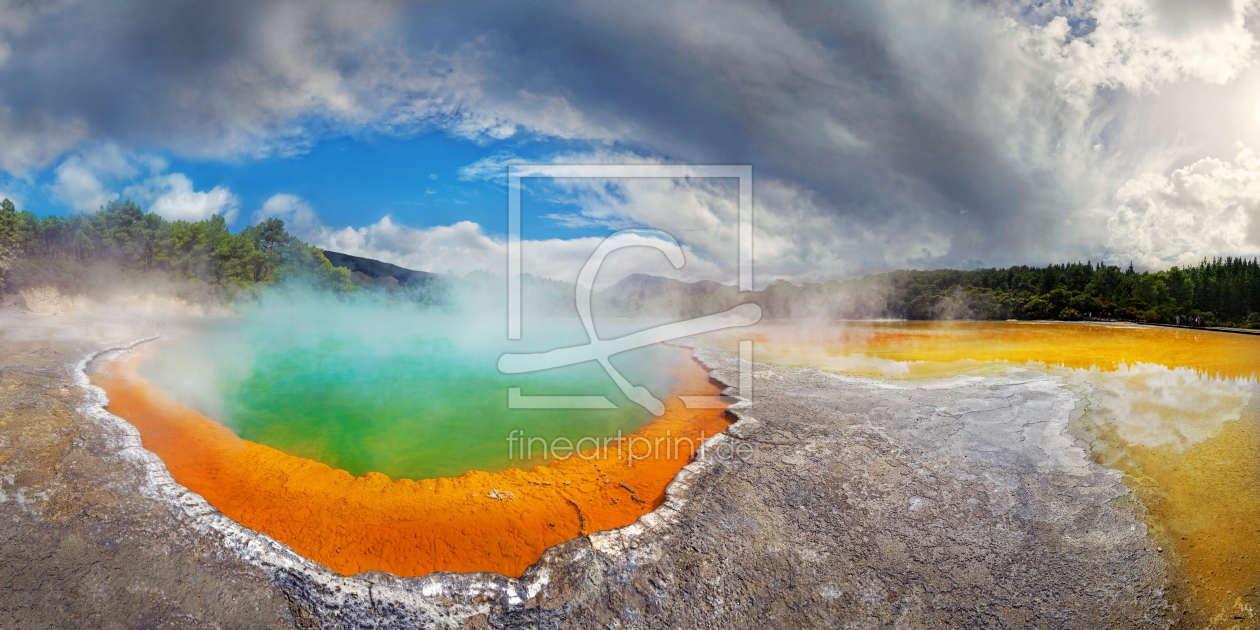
{"type": "Point", "coordinates": [299, 218]}
{"type": "Point", "coordinates": [172, 196]}
{"type": "Point", "coordinates": [457, 249]}
{"type": "Point", "coordinates": [85, 181]}
{"type": "Point", "coordinates": [1036, 109]}
{"type": "Point", "coordinates": [465, 247]}
{"type": "Point", "coordinates": [795, 237]}
{"type": "Point", "coordinates": [79, 188]}
{"type": "Point", "coordinates": [1138, 44]}
{"type": "Point", "coordinates": [577, 220]}
{"type": "Point", "coordinates": [78, 180]}
{"type": "Point", "coordinates": [490, 168]}
{"type": "Point", "coordinates": [1209, 208]}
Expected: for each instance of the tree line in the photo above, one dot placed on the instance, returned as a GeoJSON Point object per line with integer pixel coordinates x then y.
{"type": "Point", "coordinates": [1224, 291]}
{"type": "Point", "coordinates": [202, 260]}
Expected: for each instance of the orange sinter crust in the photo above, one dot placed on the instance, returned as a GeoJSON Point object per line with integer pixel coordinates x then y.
{"type": "Point", "coordinates": [479, 521]}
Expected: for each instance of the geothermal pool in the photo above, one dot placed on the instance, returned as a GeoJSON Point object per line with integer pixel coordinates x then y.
{"type": "Point", "coordinates": [406, 403]}
{"type": "Point", "coordinates": [1173, 409]}
{"type": "Point", "coordinates": [383, 446]}
{"type": "Point", "coordinates": [378, 440]}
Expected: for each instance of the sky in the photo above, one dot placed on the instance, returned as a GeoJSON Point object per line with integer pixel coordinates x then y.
{"type": "Point", "coordinates": [883, 134]}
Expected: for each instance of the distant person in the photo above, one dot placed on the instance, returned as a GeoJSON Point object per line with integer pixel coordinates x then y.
{"type": "Point", "coordinates": [1178, 320]}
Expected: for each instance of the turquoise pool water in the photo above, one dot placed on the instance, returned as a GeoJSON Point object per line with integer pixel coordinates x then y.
{"type": "Point", "coordinates": [408, 394]}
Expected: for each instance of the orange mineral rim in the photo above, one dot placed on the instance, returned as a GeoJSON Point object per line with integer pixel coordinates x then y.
{"type": "Point", "coordinates": [478, 521]}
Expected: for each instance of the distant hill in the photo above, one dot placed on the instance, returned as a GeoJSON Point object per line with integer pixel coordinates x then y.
{"type": "Point", "coordinates": [644, 286]}
{"type": "Point", "coordinates": [644, 294]}
{"type": "Point", "coordinates": [376, 269]}
{"type": "Point", "coordinates": [636, 294]}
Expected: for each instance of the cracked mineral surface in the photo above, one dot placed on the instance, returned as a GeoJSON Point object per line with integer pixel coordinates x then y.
{"type": "Point", "coordinates": [835, 501]}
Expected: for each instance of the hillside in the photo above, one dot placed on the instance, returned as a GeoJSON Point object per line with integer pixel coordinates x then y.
{"type": "Point", "coordinates": [643, 294]}
{"type": "Point", "coordinates": [376, 269]}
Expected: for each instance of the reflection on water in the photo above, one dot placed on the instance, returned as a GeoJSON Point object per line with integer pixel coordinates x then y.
{"type": "Point", "coordinates": [1173, 409]}
{"type": "Point", "coordinates": [1203, 505]}
{"type": "Point", "coordinates": [1155, 406]}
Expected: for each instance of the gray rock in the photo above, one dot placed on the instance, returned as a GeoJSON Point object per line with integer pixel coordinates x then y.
{"type": "Point", "coordinates": [81, 546]}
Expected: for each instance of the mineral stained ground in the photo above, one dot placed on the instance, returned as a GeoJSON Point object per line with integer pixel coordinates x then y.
{"type": "Point", "coordinates": [833, 502]}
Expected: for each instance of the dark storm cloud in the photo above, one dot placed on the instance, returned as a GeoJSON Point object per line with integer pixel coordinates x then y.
{"type": "Point", "coordinates": [198, 77]}
{"type": "Point", "coordinates": [951, 130]}
{"type": "Point", "coordinates": [811, 93]}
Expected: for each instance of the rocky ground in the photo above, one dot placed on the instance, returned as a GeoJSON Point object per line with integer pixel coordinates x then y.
{"type": "Point", "coordinates": [81, 544]}
{"type": "Point", "coordinates": [834, 502]}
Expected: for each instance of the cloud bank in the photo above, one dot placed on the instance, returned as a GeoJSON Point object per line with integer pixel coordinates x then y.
{"type": "Point", "coordinates": [86, 180]}
{"type": "Point", "coordinates": [884, 133]}
{"type": "Point", "coordinates": [465, 247]}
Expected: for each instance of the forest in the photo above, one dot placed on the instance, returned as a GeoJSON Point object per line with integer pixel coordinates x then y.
{"type": "Point", "coordinates": [1224, 291]}
{"type": "Point", "coordinates": [121, 244]}
{"type": "Point", "coordinates": [203, 261]}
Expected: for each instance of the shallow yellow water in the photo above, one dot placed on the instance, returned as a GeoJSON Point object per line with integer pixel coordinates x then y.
{"type": "Point", "coordinates": [1171, 408]}
{"type": "Point", "coordinates": [901, 349]}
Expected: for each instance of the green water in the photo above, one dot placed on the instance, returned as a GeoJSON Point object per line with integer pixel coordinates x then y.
{"type": "Point", "coordinates": [399, 393]}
